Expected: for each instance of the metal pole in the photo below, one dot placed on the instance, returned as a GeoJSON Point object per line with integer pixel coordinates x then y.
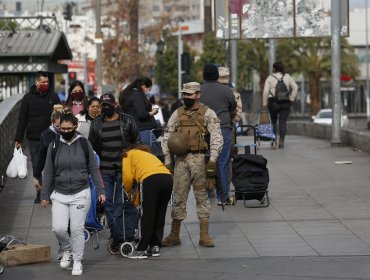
{"type": "Point", "coordinates": [66, 79]}
{"type": "Point", "coordinates": [303, 97]}
{"type": "Point", "coordinates": [85, 61]}
{"type": "Point", "coordinates": [335, 72]}
{"type": "Point", "coordinates": [272, 53]}
{"type": "Point", "coordinates": [234, 63]}
{"type": "Point", "coordinates": [179, 76]}
{"type": "Point", "coordinates": [367, 67]}
{"type": "Point", "coordinates": [98, 41]}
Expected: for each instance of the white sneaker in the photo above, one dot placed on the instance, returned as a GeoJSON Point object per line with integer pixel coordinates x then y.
{"type": "Point", "coordinates": [77, 268]}
{"type": "Point", "coordinates": [66, 259]}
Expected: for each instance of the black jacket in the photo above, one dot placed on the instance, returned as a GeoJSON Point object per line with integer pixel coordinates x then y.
{"type": "Point", "coordinates": [35, 113]}
{"type": "Point", "coordinates": [129, 132]}
{"type": "Point", "coordinates": [47, 137]}
{"type": "Point", "coordinates": [137, 106]}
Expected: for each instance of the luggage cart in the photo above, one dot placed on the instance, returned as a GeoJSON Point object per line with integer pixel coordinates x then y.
{"type": "Point", "coordinates": [264, 129]}
{"type": "Point", "coordinates": [250, 175]}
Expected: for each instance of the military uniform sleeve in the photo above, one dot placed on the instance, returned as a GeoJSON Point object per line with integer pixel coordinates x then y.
{"type": "Point", "coordinates": [238, 114]}
{"type": "Point", "coordinates": [216, 140]}
{"type": "Point", "coordinates": [171, 127]}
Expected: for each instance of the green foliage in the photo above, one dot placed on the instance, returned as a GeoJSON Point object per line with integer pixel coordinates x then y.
{"type": "Point", "coordinates": [168, 62]}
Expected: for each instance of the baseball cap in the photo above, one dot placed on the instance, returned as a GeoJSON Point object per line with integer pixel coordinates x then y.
{"type": "Point", "coordinates": [191, 87]}
{"type": "Point", "coordinates": [108, 98]}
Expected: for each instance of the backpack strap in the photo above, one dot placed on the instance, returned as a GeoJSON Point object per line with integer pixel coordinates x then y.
{"type": "Point", "coordinates": [84, 145]}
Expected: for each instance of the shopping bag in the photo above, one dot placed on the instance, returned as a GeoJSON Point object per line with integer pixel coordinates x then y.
{"type": "Point", "coordinates": [12, 169]}
{"type": "Point", "coordinates": [21, 161]}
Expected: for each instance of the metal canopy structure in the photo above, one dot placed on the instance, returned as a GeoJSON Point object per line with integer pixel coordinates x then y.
{"type": "Point", "coordinates": [33, 50]}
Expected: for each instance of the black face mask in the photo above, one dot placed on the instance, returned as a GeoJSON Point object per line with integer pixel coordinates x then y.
{"type": "Point", "coordinates": [108, 111]}
{"type": "Point", "coordinates": [68, 135]}
{"type": "Point", "coordinates": [188, 102]}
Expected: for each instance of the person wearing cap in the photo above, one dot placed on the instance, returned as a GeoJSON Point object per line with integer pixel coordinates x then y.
{"type": "Point", "coordinates": [224, 78]}
{"type": "Point", "coordinates": [192, 132]}
{"type": "Point", "coordinates": [109, 134]}
{"type": "Point", "coordinates": [220, 98]}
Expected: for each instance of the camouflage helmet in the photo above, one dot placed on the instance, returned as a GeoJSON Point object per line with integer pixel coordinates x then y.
{"type": "Point", "coordinates": [178, 144]}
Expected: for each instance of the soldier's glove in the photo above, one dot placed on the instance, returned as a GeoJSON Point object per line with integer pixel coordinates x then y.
{"type": "Point", "coordinates": [210, 183]}
{"type": "Point", "coordinates": [170, 167]}
{"type": "Point", "coordinates": [211, 169]}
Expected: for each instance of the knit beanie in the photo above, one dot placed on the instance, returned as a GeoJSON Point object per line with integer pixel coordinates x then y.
{"type": "Point", "coordinates": [210, 72]}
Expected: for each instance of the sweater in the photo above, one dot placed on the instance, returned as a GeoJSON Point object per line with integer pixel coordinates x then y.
{"type": "Point", "coordinates": [139, 165]}
{"type": "Point", "coordinates": [219, 98]}
{"type": "Point", "coordinates": [34, 114]}
{"type": "Point", "coordinates": [271, 82]}
{"type": "Point", "coordinates": [70, 171]}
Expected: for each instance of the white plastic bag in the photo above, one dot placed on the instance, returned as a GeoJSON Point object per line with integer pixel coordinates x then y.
{"type": "Point", "coordinates": [12, 170]}
{"type": "Point", "coordinates": [21, 161]}
{"type": "Point", "coordinates": [18, 165]}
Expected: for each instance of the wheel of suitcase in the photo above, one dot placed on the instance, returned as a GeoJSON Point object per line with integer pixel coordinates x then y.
{"type": "Point", "coordinates": [113, 248]}
{"type": "Point", "coordinates": [86, 235]}
{"type": "Point", "coordinates": [126, 248]}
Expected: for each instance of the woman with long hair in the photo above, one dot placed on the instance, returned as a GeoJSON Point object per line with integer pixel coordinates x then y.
{"type": "Point", "coordinates": [133, 101]}
{"type": "Point", "coordinates": [77, 100]}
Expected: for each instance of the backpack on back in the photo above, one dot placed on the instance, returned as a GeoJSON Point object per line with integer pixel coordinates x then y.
{"type": "Point", "coordinates": [281, 91]}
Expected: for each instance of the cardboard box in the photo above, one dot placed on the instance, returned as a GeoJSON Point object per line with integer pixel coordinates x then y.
{"type": "Point", "coordinates": [22, 254]}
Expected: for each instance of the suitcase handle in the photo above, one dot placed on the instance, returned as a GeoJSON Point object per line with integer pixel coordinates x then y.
{"type": "Point", "coordinates": [253, 128]}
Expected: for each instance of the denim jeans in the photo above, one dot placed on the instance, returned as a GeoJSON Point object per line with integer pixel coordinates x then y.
{"type": "Point", "coordinates": [113, 192]}
{"type": "Point", "coordinates": [223, 163]}
{"type": "Point", "coordinates": [148, 138]}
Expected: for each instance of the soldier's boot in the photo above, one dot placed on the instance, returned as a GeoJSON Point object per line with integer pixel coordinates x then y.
{"type": "Point", "coordinates": [173, 239]}
{"type": "Point", "coordinates": [205, 240]}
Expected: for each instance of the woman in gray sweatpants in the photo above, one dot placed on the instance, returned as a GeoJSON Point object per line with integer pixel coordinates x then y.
{"type": "Point", "coordinates": [69, 162]}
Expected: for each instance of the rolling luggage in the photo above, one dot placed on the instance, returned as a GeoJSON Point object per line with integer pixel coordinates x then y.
{"type": "Point", "coordinates": [264, 129]}
{"type": "Point", "coordinates": [250, 175]}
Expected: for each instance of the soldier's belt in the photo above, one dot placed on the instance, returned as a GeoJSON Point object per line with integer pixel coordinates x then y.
{"type": "Point", "coordinates": [197, 152]}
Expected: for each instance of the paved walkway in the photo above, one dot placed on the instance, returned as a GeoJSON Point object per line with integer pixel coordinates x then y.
{"type": "Point", "coordinates": [316, 227]}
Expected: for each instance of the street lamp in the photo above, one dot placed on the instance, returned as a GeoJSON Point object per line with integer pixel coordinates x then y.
{"type": "Point", "coordinates": [160, 49]}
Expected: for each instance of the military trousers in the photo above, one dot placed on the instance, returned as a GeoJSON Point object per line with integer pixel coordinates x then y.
{"type": "Point", "coordinates": [190, 171]}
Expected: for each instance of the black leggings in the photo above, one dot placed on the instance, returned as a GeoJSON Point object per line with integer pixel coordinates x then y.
{"type": "Point", "coordinates": [157, 190]}
{"type": "Point", "coordinates": [281, 109]}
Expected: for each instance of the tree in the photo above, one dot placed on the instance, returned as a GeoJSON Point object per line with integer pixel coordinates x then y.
{"type": "Point", "coordinates": [312, 58]}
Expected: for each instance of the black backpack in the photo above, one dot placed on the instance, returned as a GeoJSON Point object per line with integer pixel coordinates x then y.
{"type": "Point", "coordinates": [281, 91]}
{"type": "Point", "coordinates": [84, 145]}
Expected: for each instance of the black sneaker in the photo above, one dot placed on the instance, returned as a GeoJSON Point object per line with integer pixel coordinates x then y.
{"type": "Point", "coordinates": [153, 251]}
{"type": "Point", "coordinates": [137, 255]}
{"type": "Point", "coordinates": [37, 198]}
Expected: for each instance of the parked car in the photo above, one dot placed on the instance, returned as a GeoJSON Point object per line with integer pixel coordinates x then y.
{"type": "Point", "coordinates": [324, 116]}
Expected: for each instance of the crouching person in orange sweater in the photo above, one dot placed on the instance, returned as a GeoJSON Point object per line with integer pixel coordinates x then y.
{"type": "Point", "coordinates": [142, 167]}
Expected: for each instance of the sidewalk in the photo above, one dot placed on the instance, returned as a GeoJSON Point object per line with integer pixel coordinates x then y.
{"type": "Point", "coordinates": [316, 227]}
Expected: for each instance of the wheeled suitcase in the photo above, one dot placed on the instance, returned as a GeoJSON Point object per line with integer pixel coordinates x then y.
{"type": "Point", "coordinates": [250, 176]}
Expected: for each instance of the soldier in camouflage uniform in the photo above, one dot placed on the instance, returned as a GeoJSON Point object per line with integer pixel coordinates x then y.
{"type": "Point", "coordinates": [194, 123]}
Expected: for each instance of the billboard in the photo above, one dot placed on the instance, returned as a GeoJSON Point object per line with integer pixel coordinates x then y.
{"type": "Point", "coordinates": [248, 19]}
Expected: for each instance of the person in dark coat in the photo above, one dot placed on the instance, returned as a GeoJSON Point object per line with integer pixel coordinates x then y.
{"type": "Point", "coordinates": [34, 117]}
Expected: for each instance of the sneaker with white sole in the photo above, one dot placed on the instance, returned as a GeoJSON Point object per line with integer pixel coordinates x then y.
{"type": "Point", "coordinates": [66, 259]}
{"type": "Point", "coordinates": [137, 255]}
{"type": "Point", "coordinates": [77, 268]}
{"type": "Point", "coordinates": [153, 251]}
